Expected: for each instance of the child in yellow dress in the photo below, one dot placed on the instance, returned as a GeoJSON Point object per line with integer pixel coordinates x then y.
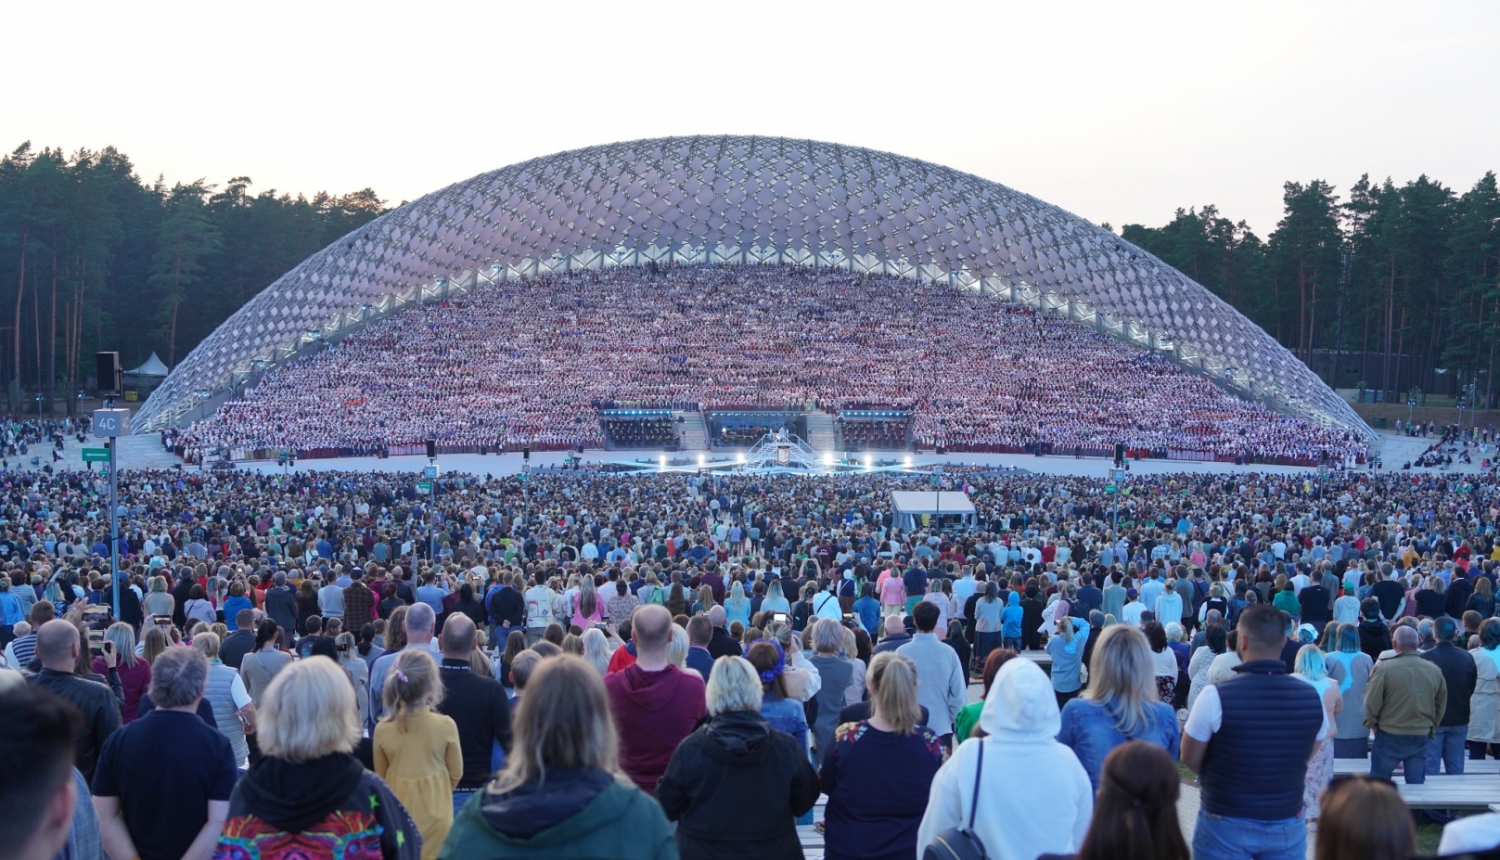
{"type": "Point", "coordinates": [416, 749]}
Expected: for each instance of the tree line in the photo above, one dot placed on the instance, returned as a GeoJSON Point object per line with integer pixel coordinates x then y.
{"type": "Point", "coordinates": [93, 258]}
{"type": "Point", "coordinates": [1394, 288]}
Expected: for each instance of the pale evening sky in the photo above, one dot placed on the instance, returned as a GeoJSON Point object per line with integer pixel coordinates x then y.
{"type": "Point", "coordinates": [1119, 112]}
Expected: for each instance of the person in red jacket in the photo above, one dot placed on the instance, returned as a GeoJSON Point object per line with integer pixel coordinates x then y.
{"type": "Point", "coordinates": [655, 704]}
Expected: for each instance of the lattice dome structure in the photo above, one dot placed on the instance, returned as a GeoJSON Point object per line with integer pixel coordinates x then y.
{"type": "Point", "coordinates": [706, 200]}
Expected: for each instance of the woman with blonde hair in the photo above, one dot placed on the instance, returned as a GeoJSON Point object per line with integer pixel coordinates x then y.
{"type": "Point", "coordinates": [596, 650]}
{"type": "Point", "coordinates": [1120, 704]}
{"type": "Point", "coordinates": [234, 712]}
{"type": "Point", "coordinates": [563, 733]}
{"type": "Point", "coordinates": [357, 669]}
{"type": "Point", "coordinates": [877, 772]}
{"type": "Point", "coordinates": [134, 670]}
{"type": "Point", "coordinates": [308, 781]}
{"type": "Point", "coordinates": [588, 609]}
{"type": "Point", "coordinates": [416, 749]}
{"type": "Point", "coordinates": [153, 644]}
{"type": "Point", "coordinates": [677, 648]}
{"type": "Point", "coordinates": [734, 784]}
{"type": "Point", "coordinates": [737, 605]}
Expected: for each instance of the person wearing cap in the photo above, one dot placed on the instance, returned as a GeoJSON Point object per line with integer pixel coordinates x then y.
{"type": "Point", "coordinates": [1135, 607]}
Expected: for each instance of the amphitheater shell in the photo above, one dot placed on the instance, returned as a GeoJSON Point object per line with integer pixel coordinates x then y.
{"type": "Point", "coordinates": [744, 200]}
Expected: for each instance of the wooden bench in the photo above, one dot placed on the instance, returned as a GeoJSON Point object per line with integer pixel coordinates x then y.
{"type": "Point", "coordinates": [1476, 791]}
{"type": "Point", "coordinates": [1041, 658]}
{"type": "Point", "coordinates": [1487, 766]}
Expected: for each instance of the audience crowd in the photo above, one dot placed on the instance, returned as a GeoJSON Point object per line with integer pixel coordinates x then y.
{"type": "Point", "coordinates": [524, 364]}
{"type": "Point", "coordinates": [604, 665]}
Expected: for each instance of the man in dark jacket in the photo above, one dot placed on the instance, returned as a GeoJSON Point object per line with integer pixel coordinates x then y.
{"type": "Point", "coordinates": [281, 604]}
{"type": "Point", "coordinates": [477, 704]}
{"type": "Point", "coordinates": [1460, 674]}
{"type": "Point", "coordinates": [895, 635]}
{"type": "Point", "coordinates": [237, 644]}
{"type": "Point", "coordinates": [1315, 602]}
{"type": "Point", "coordinates": [57, 649]}
{"type": "Point", "coordinates": [722, 644]}
{"type": "Point", "coordinates": [180, 594]}
{"type": "Point", "coordinates": [735, 760]}
{"type": "Point", "coordinates": [1374, 633]}
{"type": "Point", "coordinates": [507, 609]}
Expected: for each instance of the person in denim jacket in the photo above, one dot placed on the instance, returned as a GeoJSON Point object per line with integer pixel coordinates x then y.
{"type": "Point", "coordinates": [1120, 703]}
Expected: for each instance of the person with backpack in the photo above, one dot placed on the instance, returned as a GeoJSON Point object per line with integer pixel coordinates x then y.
{"type": "Point", "coordinates": [1020, 721]}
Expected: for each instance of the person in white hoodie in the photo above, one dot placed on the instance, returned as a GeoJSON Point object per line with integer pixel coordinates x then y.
{"type": "Point", "coordinates": [1021, 722]}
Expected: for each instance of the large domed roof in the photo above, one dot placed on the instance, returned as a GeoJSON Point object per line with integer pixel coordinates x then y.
{"type": "Point", "coordinates": [697, 200]}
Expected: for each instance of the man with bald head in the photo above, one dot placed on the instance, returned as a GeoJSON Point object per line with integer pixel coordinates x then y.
{"type": "Point", "coordinates": [895, 635]}
{"type": "Point", "coordinates": [722, 644]}
{"type": "Point", "coordinates": [1404, 703]}
{"type": "Point", "coordinates": [57, 649]}
{"type": "Point", "coordinates": [476, 702]}
{"type": "Point", "coordinates": [654, 703]}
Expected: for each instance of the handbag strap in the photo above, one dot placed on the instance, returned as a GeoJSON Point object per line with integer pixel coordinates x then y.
{"type": "Point", "coordinates": [974, 802]}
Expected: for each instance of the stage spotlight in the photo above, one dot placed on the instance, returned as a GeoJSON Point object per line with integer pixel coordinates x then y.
{"type": "Point", "coordinates": [827, 458]}
{"type": "Point", "coordinates": [740, 457]}
{"type": "Point", "coordinates": [702, 461]}
{"type": "Point", "coordinates": [663, 460]}
{"type": "Point", "coordinates": [908, 462]}
{"type": "Point", "coordinates": [869, 461]}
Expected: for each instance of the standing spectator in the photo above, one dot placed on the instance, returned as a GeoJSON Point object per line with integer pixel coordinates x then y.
{"type": "Point", "coordinates": [163, 783]}
{"type": "Point", "coordinates": [1350, 669]}
{"type": "Point", "coordinates": [331, 601]}
{"type": "Point", "coordinates": [57, 648]}
{"type": "Point", "coordinates": [1120, 704]}
{"type": "Point", "coordinates": [417, 624]}
{"type": "Point", "coordinates": [1460, 676]}
{"type": "Point", "coordinates": [359, 602]}
{"type": "Point", "coordinates": [563, 799]}
{"type": "Point", "coordinates": [1484, 705]}
{"type": "Point", "coordinates": [655, 704]}
{"type": "Point", "coordinates": [1249, 738]}
{"type": "Point", "coordinates": [308, 786]}
{"type": "Point", "coordinates": [736, 786]}
{"type": "Point", "coordinates": [1312, 669]}
{"type": "Point", "coordinates": [281, 603]}
{"type": "Point", "coordinates": [1404, 704]}
{"type": "Point", "coordinates": [1374, 630]}
{"type": "Point", "coordinates": [988, 622]}
{"type": "Point", "coordinates": [234, 713]}
{"type": "Point", "coordinates": [700, 633]}
{"type": "Point", "coordinates": [1135, 816]}
{"type": "Point", "coordinates": [1066, 648]}
{"type": "Point", "coordinates": [1020, 722]}
{"type": "Point", "coordinates": [943, 683]}
{"type": "Point", "coordinates": [134, 672]}
{"type": "Point", "coordinates": [416, 749]}
{"type": "Point", "coordinates": [722, 644]}
{"type": "Point", "coordinates": [476, 703]}
{"type": "Point", "coordinates": [878, 772]}
{"type": "Point", "coordinates": [239, 643]}
{"type": "Point", "coordinates": [264, 661]}
{"type": "Point", "coordinates": [38, 789]}
{"type": "Point", "coordinates": [508, 609]}
{"type": "Point", "coordinates": [1314, 604]}
{"type": "Point", "coordinates": [835, 673]}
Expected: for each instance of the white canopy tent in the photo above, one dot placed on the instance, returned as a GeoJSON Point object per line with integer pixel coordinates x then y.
{"type": "Point", "coordinates": [152, 367]}
{"type": "Point", "coordinates": [934, 509]}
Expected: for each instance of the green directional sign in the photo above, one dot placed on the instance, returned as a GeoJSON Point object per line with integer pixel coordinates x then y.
{"type": "Point", "coordinates": [96, 455]}
{"type": "Point", "coordinates": [424, 486]}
